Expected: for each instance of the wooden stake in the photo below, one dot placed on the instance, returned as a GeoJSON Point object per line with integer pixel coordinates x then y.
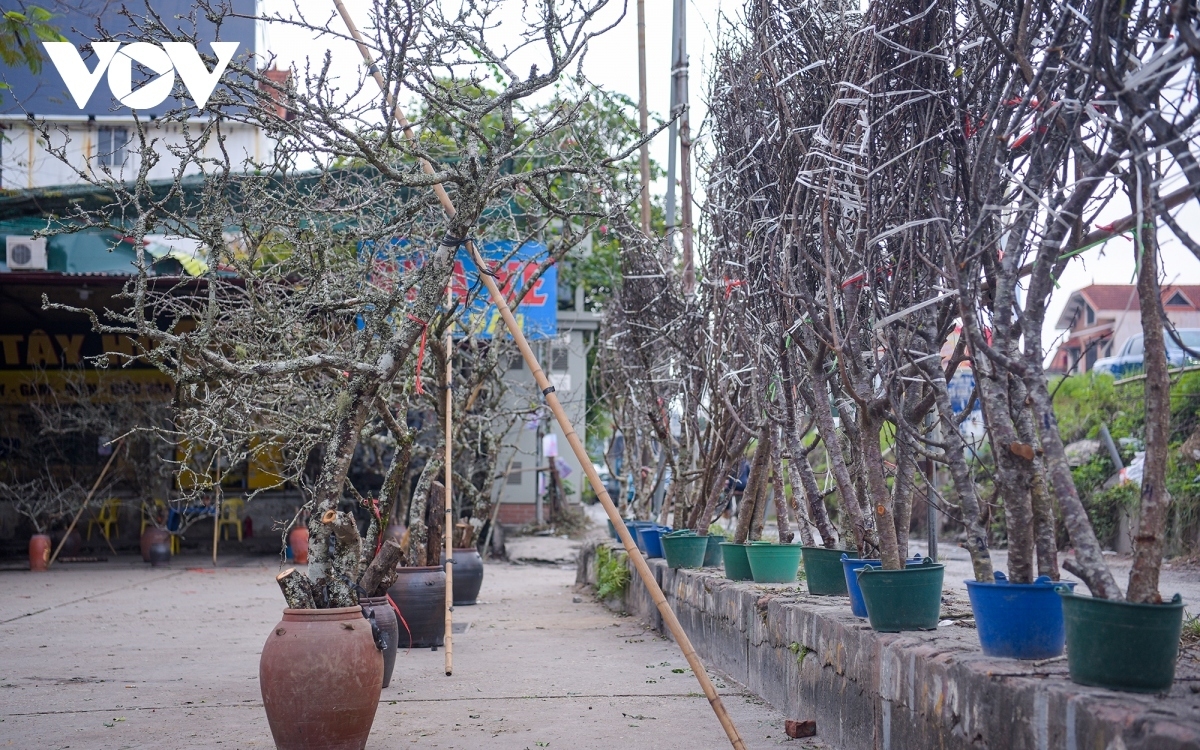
{"type": "Point", "coordinates": [639, 562]}
{"type": "Point", "coordinates": [217, 511]}
{"type": "Point", "coordinates": [83, 507]}
{"type": "Point", "coordinates": [643, 117]}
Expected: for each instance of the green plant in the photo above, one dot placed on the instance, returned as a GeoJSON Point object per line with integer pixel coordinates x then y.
{"type": "Point", "coordinates": [612, 575]}
{"type": "Point", "coordinates": [716, 530]}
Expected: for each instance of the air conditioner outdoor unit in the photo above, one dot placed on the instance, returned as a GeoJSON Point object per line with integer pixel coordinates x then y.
{"type": "Point", "coordinates": [25, 253]}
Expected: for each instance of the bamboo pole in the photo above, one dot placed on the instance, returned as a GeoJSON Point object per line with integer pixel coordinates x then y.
{"type": "Point", "coordinates": [449, 637]}
{"type": "Point", "coordinates": [86, 500]}
{"type": "Point", "coordinates": [639, 562]}
{"type": "Point", "coordinates": [643, 117]}
{"type": "Point", "coordinates": [217, 511]}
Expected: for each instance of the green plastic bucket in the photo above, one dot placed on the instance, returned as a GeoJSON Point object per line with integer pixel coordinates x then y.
{"type": "Point", "coordinates": [684, 550]}
{"type": "Point", "coordinates": [823, 570]}
{"type": "Point", "coordinates": [908, 599]}
{"type": "Point", "coordinates": [712, 553]}
{"type": "Point", "coordinates": [737, 567]}
{"type": "Point", "coordinates": [1121, 645]}
{"type": "Point", "coordinates": [774, 563]}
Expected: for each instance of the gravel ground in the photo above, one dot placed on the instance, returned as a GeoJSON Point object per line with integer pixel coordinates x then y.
{"type": "Point", "coordinates": [120, 655]}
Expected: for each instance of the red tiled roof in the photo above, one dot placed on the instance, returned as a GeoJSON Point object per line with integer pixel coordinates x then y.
{"type": "Point", "coordinates": [1123, 297]}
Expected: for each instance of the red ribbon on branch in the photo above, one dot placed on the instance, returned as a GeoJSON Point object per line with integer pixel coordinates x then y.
{"type": "Point", "coordinates": [421, 351]}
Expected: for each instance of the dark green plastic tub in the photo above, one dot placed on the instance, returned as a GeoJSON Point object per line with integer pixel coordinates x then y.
{"type": "Point", "coordinates": [684, 550]}
{"type": "Point", "coordinates": [1120, 645]}
{"type": "Point", "coordinates": [712, 554]}
{"type": "Point", "coordinates": [908, 599]}
{"type": "Point", "coordinates": [823, 570]}
{"type": "Point", "coordinates": [774, 563]}
{"type": "Point", "coordinates": [737, 567]}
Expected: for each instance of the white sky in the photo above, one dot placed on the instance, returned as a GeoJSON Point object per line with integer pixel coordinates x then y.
{"type": "Point", "coordinates": [612, 64]}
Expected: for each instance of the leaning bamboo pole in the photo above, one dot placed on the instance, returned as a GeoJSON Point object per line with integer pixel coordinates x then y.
{"type": "Point", "coordinates": [449, 494]}
{"type": "Point", "coordinates": [95, 486]}
{"type": "Point", "coordinates": [543, 383]}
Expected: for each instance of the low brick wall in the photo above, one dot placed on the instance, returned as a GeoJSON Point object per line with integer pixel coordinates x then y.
{"type": "Point", "coordinates": [811, 658]}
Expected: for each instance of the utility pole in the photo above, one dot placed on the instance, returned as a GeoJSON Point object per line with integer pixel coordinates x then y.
{"type": "Point", "coordinates": [643, 116]}
{"type": "Point", "coordinates": [685, 148]}
{"type": "Point", "coordinates": [673, 128]}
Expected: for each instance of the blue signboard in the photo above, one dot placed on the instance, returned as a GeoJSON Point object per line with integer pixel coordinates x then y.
{"type": "Point", "coordinates": [45, 94]}
{"type": "Point", "coordinates": [514, 266]}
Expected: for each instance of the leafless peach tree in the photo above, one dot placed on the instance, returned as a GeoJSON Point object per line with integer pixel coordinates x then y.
{"type": "Point", "coordinates": [328, 261]}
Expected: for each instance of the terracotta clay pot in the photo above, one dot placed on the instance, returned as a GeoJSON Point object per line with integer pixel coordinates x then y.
{"type": "Point", "coordinates": [468, 575]}
{"type": "Point", "coordinates": [298, 539]}
{"type": "Point", "coordinates": [151, 536]}
{"type": "Point", "coordinates": [420, 593]}
{"type": "Point", "coordinates": [39, 553]}
{"type": "Point", "coordinates": [385, 619]}
{"type": "Point", "coordinates": [320, 676]}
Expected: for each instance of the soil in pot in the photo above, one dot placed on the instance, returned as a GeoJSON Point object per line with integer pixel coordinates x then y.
{"type": "Point", "coordinates": [385, 620]}
{"type": "Point", "coordinates": [420, 594]}
{"type": "Point", "coordinates": [320, 675]}
{"type": "Point", "coordinates": [39, 553]}
{"type": "Point", "coordinates": [468, 575]}
{"type": "Point", "coordinates": [774, 563]}
{"type": "Point", "coordinates": [737, 567]}
{"type": "Point", "coordinates": [1121, 645]}
{"type": "Point", "coordinates": [298, 541]}
{"type": "Point", "coordinates": [1018, 620]}
{"type": "Point", "coordinates": [908, 599]}
{"type": "Point", "coordinates": [823, 570]}
{"type": "Point", "coordinates": [151, 536]}
{"type": "Point", "coordinates": [684, 550]}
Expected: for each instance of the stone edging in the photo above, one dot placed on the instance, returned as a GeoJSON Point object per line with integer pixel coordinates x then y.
{"type": "Point", "coordinates": [810, 658]}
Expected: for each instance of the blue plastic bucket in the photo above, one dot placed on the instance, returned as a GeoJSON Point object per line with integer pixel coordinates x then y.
{"type": "Point", "coordinates": [651, 539]}
{"type": "Point", "coordinates": [633, 527]}
{"type": "Point", "coordinates": [1018, 620]}
{"type": "Point", "coordinates": [850, 567]}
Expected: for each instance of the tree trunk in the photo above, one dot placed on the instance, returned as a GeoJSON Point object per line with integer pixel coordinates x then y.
{"type": "Point", "coordinates": [1152, 519]}
{"type": "Point", "coordinates": [819, 404]}
{"type": "Point", "coordinates": [748, 511]}
{"type": "Point", "coordinates": [870, 425]}
{"type": "Point", "coordinates": [296, 588]}
{"type": "Point", "coordinates": [903, 487]}
{"type": "Point", "coordinates": [781, 513]}
{"type": "Point", "coordinates": [381, 573]}
{"type": "Point", "coordinates": [418, 530]}
{"type": "Point", "coordinates": [798, 464]}
{"type": "Point", "coordinates": [1044, 534]}
{"type": "Point", "coordinates": [960, 474]}
{"type": "Point", "coordinates": [1089, 559]}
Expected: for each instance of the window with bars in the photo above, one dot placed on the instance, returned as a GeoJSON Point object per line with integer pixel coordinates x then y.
{"type": "Point", "coordinates": [560, 358]}
{"type": "Point", "coordinates": [514, 473]}
{"type": "Point", "coordinates": [111, 146]}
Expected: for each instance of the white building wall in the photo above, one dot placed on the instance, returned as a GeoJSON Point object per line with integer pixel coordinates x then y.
{"type": "Point", "coordinates": [26, 162]}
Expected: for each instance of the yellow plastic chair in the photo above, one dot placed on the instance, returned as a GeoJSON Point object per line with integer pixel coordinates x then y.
{"type": "Point", "coordinates": [231, 515]}
{"type": "Point", "coordinates": [105, 518]}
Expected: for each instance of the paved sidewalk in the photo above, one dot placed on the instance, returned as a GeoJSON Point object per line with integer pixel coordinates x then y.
{"type": "Point", "coordinates": [120, 655]}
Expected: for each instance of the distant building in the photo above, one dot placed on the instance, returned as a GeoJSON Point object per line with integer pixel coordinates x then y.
{"type": "Point", "coordinates": [99, 139]}
{"type": "Point", "coordinates": [1100, 318]}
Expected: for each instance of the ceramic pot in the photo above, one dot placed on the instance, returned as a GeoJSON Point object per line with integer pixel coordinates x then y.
{"type": "Point", "coordinates": [468, 575]}
{"type": "Point", "coordinates": [71, 547]}
{"type": "Point", "coordinates": [298, 541]}
{"type": "Point", "coordinates": [39, 553]}
{"type": "Point", "coordinates": [420, 594]}
{"type": "Point", "coordinates": [385, 620]}
{"type": "Point", "coordinates": [159, 554]}
{"type": "Point", "coordinates": [320, 676]}
{"type": "Point", "coordinates": [151, 536]}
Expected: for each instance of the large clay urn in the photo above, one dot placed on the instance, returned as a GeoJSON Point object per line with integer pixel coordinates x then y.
{"type": "Point", "coordinates": [298, 539]}
{"type": "Point", "coordinates": [152, 536]}
{"type": "Point", "coordinates": [320, 675]}
{"type": "Point", "coordinates": [420, 593]}
{"type": "Point", "coordinates": [468, 575]}
{"type": "Point", "coordinates": [385, 619]}
{"type": "Point", "coordinates": [39, 553]}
